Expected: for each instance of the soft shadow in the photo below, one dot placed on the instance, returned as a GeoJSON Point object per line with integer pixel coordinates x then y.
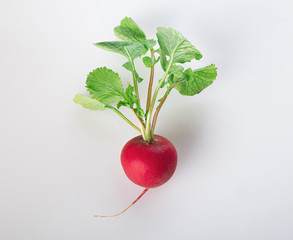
{"type": "Point", "coordinates": [185, 129]}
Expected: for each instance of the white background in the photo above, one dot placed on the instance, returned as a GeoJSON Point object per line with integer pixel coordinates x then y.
{"type": "Point", "coordinates": [59, 163]}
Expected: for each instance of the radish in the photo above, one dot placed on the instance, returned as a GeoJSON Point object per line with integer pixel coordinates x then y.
{"type": "Point", "coordinates": [149, 164]}
{"type": "Point", "coordinates": [148, 160]}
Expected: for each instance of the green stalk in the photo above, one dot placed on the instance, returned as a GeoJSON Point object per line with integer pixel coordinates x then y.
{"type": "Point", "coordinates": [151, 81]}
{"type": "Point", "coordinates": [123, 117]}
{"type": "Point", "coordinates": [142, 131]}
{"type": "Point", "coordinates": [148, 133]}
{"type": "Point", "coordinates": [159, 108]}
{"type": "Point", "coordinates": [142, 126]}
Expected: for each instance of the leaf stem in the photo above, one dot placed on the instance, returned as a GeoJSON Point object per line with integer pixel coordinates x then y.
{"type": "Point", "coordinates": [159, 108]}
{"type": "Point", "coordinates": [149, 136]}
{"type": "Point", "coordinates": [125, 118]}
{"type": "Point", "coordinates": [139, 119]}
{"type": "Point", "coordinates": [142, 125]}
{"type": "Point", "coordinates": [151, 81]}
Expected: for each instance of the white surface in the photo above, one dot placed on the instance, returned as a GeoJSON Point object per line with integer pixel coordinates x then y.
{"type": "Point", "coordinates": [60, 163]}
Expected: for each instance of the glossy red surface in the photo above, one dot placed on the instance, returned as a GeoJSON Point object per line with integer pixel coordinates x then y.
{"type": "Point", "coordinates": [149, 164]}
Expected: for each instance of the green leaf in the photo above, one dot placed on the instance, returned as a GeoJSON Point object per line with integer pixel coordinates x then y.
{"type": "Point", "coordinates": [130, 100]}
{"type": "Point", "coordinates": [139, 112]}
{"type": "Point", "coordinates": [172, 79]}
{"type": "Point", "coordinates": [104, 85]}
{"type": "Point", "coordinates": [146, 113]}
{"type": "Point", "coordinates": [128, 30]}
{"type": "Point", "coordinates": [127, 49]}
{"type": "Point", "coordinates": [163, 59]}
{"type": "Point", "coordinates": [138, 78]}
{"type": "Point", "coordinates": [177, 47]}
{"type": "Point", "coordinates": [128, 66]}
{"type": "Point", "coordinates": [176, 69]}
{"type": "Point", "coordinates": [88, 102]}
{"type": "Point", "coordinates": [193, 82]}
{"type": "Point", "coordinates": [122, 103]}
{"type": "Point", "coordinates": [160, 100]}
{"type": "Point", "coordinates": [156, 59]}
{"type": "Point", "coordinates": [129, 97]}
{"type": "Point", "coordinates": [164, 84]}
{"type": "Point", "coordinates": [131, 50]}
{"type": "Point", "coordinates": [148, 62]}
{"type": "Point", "coordinates": [150, 43]}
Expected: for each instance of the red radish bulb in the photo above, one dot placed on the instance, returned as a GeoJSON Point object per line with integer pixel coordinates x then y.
{"type": "Point", "coordinates": [149, 164]}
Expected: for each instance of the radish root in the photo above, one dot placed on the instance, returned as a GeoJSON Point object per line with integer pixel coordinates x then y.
{"type": "Point", "coordinates": [117, 214]}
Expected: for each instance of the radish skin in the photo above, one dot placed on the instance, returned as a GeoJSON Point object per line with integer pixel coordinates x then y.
{"type": "Point", "coordinates": [149, 164]}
